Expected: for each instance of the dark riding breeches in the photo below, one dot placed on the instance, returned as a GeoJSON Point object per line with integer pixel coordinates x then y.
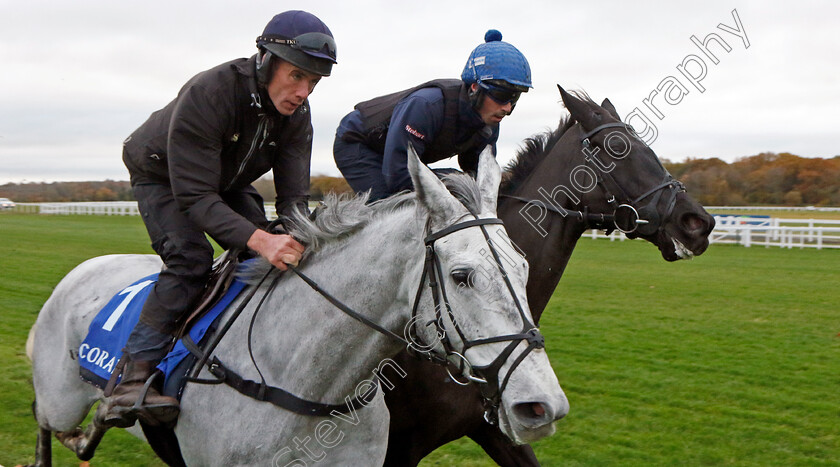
{"type": "Point", "coordinates": [361, 166]}
{"type": "Point", "coordinates": [188, 258]}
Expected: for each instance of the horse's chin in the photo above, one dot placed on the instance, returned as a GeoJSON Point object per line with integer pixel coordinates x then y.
{"type": "Point", "coordinates": [681, 251]}
{"type": "Point", "coordinates": [672, 249]}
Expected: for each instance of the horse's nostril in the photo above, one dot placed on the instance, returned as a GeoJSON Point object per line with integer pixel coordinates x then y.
{"type": "Point", "coordinates": [693, 223]}
{"type": "Point", "coordinates": [531, 412]}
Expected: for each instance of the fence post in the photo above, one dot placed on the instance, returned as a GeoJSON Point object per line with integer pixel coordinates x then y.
{"type": "Point", "coordinates": [748, 236]}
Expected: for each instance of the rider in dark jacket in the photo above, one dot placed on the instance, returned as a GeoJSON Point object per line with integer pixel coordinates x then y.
{"type": "Point", "coordinates": [440, 119]}
{"type": "Point", "coordinates": [218, 145]}
{"type": "Point", "coordinates": [192, 164]}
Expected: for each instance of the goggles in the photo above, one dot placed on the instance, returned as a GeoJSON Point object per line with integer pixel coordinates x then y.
{"type": "Point", "coordinates": [500, 95]}
{"type": "Point", "coordinates": [312, 43]}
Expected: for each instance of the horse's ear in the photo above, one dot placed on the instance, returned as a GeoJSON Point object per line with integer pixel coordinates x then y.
{"type": "Point", "coordinates": [581, 112]}
{"type": "Point", "coordinates": [609, 107]}
{"type": "Point", "coordinates": [489, 176]}
{"type": "Point", "coordinates": [431, 192]}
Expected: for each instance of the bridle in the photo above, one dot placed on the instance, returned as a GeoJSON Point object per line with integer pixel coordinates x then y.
{"type": "Point", "coordinates": [627, 216]}
{"type": "Point", "coordinates": [486, 376]}
{"type": "Point", "coordinates": [645, 219]}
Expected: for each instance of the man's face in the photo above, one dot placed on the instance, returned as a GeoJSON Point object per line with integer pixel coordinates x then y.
{"type": "Point", "coordinates": [290, 86]}
{"type": "Point", "coordinates": [492, 112]}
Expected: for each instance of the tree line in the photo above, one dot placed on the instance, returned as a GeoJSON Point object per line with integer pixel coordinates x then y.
{"type": "Point", "coordinates": [765, 179]}
{"type": "Point", "coordinates": [111, 190]}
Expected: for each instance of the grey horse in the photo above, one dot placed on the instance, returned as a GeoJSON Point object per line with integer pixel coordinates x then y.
{"type": "Point", "coordinates": [372, 257]}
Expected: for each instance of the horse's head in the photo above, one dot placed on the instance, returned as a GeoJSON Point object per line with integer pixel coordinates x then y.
{"type": "Point", "coordinates": [620, 174]}
{"type": "Point", "coordinates": [475, 314]}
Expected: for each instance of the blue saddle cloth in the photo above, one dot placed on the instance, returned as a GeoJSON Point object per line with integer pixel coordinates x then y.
{"type": "Point", "coordinates": [109, 331]}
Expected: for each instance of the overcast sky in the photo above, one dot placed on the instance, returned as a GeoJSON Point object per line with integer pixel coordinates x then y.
{"type": "Point", "coordinates": [78, 77]}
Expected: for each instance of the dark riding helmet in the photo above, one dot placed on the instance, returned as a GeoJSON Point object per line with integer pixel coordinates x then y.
{"type": "Point", "coordinates": [299, 38]}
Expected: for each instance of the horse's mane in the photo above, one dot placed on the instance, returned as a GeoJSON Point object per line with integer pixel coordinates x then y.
{"type": "Point", "coordinates": [339, 216]}
{"type": "Point", "coordinates": [534, 150]}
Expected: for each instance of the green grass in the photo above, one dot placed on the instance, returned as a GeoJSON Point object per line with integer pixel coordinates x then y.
{"type": "Point", "coordinates": [37, 252]}
{"type": "Point", "coordinates": [730, 359]}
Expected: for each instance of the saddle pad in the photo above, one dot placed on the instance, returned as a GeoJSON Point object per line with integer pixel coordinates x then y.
{"type": "Point", "coordinates": [109, 331]}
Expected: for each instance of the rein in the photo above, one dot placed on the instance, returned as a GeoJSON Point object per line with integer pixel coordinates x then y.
{"type": "Point", "coordinates": [488, 376]}
{"type": "Point", "coordinates": [259, 390]}
{"type": "Point", "coordinates": [590, 219]}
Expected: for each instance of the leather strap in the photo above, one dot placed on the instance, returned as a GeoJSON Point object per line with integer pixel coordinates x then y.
{"type": "Point", "coordinates": [346, 309]}
{"type": "Point", "coordinates": [460, 226]}
{"type": "Point", "coordinates": [284, 399]}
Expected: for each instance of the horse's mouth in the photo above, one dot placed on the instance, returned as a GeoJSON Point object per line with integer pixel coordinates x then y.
{"type": "Point", "coordinates": [681, 251]}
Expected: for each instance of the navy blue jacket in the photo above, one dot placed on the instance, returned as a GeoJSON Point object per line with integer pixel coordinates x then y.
{"type": "Point", "coordinates": [418, 119]}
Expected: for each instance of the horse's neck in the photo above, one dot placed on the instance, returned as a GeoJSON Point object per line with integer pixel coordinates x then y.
{"type": "Point", "coordinates": [547, 255]}
{"type": "Point", "coordinates": [311, 348]}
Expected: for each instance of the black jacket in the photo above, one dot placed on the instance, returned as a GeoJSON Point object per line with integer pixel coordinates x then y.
{"type": "Point", "coordinates": [211, 140]}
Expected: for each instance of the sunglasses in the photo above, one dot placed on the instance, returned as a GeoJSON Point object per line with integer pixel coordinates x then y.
{"type": "Point", "coordinates": [500, 95]}
{"type": "Point", "coordinates": [313, 43]}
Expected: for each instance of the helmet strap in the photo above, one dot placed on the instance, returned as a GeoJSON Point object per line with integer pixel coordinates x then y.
{"type": "Point", "coordinates": [263, 67]}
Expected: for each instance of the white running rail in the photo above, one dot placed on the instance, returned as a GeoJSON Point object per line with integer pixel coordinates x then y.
{"type": "Point", "coordinates": [732, 229]}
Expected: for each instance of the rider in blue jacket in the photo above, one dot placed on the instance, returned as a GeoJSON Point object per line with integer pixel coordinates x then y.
{"type": "Point", "coordinates": [440, 118]}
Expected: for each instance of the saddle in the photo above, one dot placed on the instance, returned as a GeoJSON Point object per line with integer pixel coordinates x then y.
{"type": "Point", "coordinates": [221, 277]}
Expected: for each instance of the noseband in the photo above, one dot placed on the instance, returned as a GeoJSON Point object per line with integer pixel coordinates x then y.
{"type": "Point", "coordinates": [486, 376]}
{"type": "Point", "coordinates": [627, 216]}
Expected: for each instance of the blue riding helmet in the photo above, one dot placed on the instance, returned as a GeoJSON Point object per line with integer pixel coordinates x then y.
{"type": "Point", "coordinates": [299, 38]}
{"type": "Point", "coordinates": [497, 64]}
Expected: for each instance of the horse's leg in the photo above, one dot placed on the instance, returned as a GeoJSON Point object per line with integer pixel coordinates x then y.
{"type": "Point", "coordinates": [84, 442]}
{"type": "Point", "coordinates": [43, 449]}
{"type": "Point", "coordinates": [500, 449]}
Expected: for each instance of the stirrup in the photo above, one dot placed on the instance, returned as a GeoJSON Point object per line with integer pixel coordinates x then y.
{"type": "Point", "coordinates": [118, 417]}
{"type": "Point", "coordinates": [154, 414]}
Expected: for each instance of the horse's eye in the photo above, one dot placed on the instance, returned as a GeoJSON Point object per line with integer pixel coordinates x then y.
{"type": "Point", "coordinates": [461, 277]}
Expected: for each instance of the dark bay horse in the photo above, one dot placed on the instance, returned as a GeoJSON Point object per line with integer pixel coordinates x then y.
{"type": "Point", "coordinates": [556, 188]}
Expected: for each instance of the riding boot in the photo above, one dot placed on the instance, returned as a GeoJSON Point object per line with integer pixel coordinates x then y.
{"type": "Point", "coordinates": [135, 397]}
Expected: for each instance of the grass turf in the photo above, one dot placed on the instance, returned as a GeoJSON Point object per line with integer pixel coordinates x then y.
{"type": "Point", "coordinates": [729, 359]}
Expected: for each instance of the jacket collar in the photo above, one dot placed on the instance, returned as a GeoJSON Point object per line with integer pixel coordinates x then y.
{"type": "Point", "coordinates": [247, 68]}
